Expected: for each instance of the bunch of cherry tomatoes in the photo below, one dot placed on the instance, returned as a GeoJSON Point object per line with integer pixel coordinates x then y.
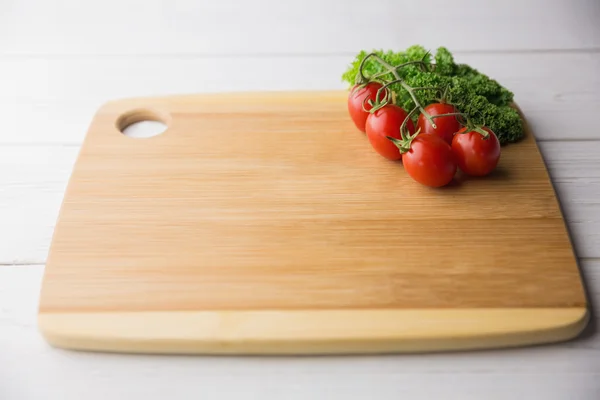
{"type": "Point", "coordinates": [432, 153]}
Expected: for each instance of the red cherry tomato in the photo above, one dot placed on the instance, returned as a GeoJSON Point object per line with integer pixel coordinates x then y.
{"type": "Point", "coordinates": [430, 161]}
{"type": "Point", "coordinates": [446, 127]}
{"type": "Point", "coordinates": [476, 155]}
{"type": "Point", "coordinates": [386, 122]}
{"type": "Point", "coordinates": [355, 102]}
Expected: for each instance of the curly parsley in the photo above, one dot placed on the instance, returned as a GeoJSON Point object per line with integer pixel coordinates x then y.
{"type": "Point", "coordinates": [483, 99]}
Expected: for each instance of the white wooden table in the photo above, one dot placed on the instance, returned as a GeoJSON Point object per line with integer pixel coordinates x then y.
{"type": "Point", "coordinates": [60, 60]}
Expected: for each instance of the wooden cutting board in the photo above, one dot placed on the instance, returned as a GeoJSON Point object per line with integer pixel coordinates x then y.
{"type": "Point", "coordinates": [264, 223]}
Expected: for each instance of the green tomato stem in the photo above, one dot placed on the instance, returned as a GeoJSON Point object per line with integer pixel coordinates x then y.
{"type": "Point", "coordinates": [414, 98]}
{"type": "Point", "coordinates": [482, 132]}
{"type": "Point", "coordinates": [385, 99]}
{"type": "Point", "coordinates": [379, 74]}
{"type": "Point", "coordinates": [361, 79]}
{"type": "Point", "coordinates": [445, 95]}
{"type": "Point", "coordinates": [405, 86]}
{"type": "Point", "coordinates": [403, 129]}
{"type": "Point", "coordinates": [390, 67]}
{"type": "Point", "coordinates": [403, 144]}
{"type": "Point", "coordinates": [447, 115]}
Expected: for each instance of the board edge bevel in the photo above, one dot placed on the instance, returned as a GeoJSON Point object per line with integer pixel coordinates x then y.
{"type": "Point", "coordinates": [289, 332]}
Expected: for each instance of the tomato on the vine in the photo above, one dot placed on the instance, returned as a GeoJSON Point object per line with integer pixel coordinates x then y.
{"type": "Point", "coordinates": [359, 96]}
{"type": "Point", "coordinates": [476, 154]}
{"type": "Point", "coordinates": [387, 122]}
{"type": "Point", "coordinates": [430, 161]}
{"type": "Point", "coordinates": [446, 126]}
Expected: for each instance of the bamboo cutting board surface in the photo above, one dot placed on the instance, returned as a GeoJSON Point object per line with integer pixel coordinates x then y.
{"type": "Point", "coordinates": [264, 223]}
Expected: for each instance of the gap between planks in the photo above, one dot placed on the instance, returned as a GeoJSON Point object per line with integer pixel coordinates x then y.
{"type": "Point", "coordinates": [60, 56]}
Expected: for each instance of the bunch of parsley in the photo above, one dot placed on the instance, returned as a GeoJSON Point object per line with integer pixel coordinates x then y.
{"type": "Point", "coordinates": [482, 99]}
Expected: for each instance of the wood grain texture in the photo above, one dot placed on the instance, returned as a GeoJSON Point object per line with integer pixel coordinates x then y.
{"type": "Point", "coordinates": [247, 203]}
{"type": "Point", "coordinates": [33, 180]}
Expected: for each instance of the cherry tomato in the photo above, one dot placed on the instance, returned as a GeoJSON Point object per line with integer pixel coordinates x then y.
{"type": "Point", "coordinates": [355, 103]}
{"type": "Point", "coordinates": [476, 155]}
{"type": "Point", "coordinates": [430, 161]}
{"type": "Point", "coordinates": [446, 127]}
{"type": "Point", "coordinates": [386, 122]}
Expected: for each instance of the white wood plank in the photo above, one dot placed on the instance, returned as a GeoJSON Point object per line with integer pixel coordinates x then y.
{"type": "Point", "coordinates": [306, 27]}
{"type": "Point", "coordinates": [575, 171]}
{"type": "Point", "coordinates": [30, 369]}
{"type": "Point", "coordinates": [32, 184]}
{"type": "Point", "coordinates": [33, 180]}
{"type": "Point", "coordinates": [53, 100]}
